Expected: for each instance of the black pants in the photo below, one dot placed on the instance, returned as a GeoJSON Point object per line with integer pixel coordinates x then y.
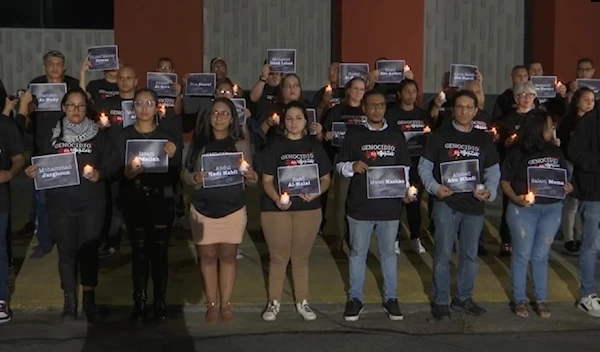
{"type": "Point", "coordinates": [149, 218]}
{"type": "Point", "coordinates": [77, 239]}
{"type": "Point", "coordinates": [178, 198]}
{"type": "Point", "coordinates": [9, 251]}
{"type": "Point", "coordinates": [113, 218]}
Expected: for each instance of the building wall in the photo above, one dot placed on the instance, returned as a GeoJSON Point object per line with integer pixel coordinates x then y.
{"type": "Point", "coordinates": [241, 31]}
{"type": "Point", "coordinates": [486, 33]}
{"type": "Point", "coordinates": [23, 48]}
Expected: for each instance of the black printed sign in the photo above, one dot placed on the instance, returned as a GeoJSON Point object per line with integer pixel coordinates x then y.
{"type": "Point", "coordinates": [386, 182]}
{"type": "Point", "coordinates": [339, 133]}
{"type": "Point", "coordinates": [593, 84]}
{"type": "Point", "coordinates": [282, 60]}
{"type": "Point", "coordinates": [129, 117]}
{"type": "Point", "coordinates": [55, 171]}
{"type": "Point", "coordinates": [460, 176]}
{"type": "Point", "coordinates": [240, 108]}
{"type": "Point", "coordinates": [149, 153]}
{"type": "Point", "coordinates": [299, 179]}
{"type": "Point", "coordinates": [222, 169]}
{"type": "Point", "coordinates": [546, 182]}
{"type": "Point", "coordinates": [311, 118]}
{"type": "Point", "coordinates": [349, 71]}
{"type": "Point", "coordinates": [103, 58]}
{"type": "Point", "coordinates": [162, 83]}
{"type": "Point", "coordinates": [48, 96]}
{"type": "Point", "coordinates": [414, 135]}
{"type": "Point", "coordinates": [545, 86]}
{"type": "Point", "coordinates": [461, 74]}
{"type": "Point", "coordinates": [390, 71]}
{"type": "Point", "coordinates": [200, 84]}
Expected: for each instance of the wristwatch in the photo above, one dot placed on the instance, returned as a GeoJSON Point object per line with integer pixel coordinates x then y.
{"type": "Point", "coordinates": [262, 79]}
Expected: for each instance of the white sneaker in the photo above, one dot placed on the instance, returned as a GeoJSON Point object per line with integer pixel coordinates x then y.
{"type": "Point", "coordinates": [270, 314]}
{"type": "Point", "coordinates": [590, 305]}
{"type": "Point", "coordinates": [397, 247]}
{"type": "Point", "coordinates": [417, 247]}
{"type": "Point", "coordinates": [5, 315]}
{"type": "Point", "coordinates": [240, 254]}
{"type": "Point", "coordinates": [305, 311]}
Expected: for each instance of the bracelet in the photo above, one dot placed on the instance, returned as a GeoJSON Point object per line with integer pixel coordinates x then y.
{"type": "Point", "coordinates": [262, 79]}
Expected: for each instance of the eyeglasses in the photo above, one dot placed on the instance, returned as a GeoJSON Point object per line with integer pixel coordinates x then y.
{"type": "Point", "coordinates": [72, 107]}
{"type": "Point", "coordinates": [526, 95]}
{"type": "Point", "coordinates": [215, 114]}
{"type": "Point", "coordinates": [225, 92]}
{"type": "Point", "coordinates": [166, 67]}
{"type": "Point", "coordinates": [379, 106]}
{"type": "Point", "coordinates": [142, 103]}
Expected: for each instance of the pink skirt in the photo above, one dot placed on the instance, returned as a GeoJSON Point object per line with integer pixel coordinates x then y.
{"type": "Point", "coordinates": [229, 229]}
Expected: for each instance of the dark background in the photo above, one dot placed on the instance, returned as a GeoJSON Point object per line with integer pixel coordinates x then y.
{"type": "Point", "coordinates": [67, 14]}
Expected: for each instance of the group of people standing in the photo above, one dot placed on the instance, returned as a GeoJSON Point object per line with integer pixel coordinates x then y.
{"type": "Point", "coordinates": [453, 150]}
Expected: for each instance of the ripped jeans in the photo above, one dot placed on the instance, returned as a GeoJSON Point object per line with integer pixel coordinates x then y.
{"type": "Point", "coordinates": [533, 230]}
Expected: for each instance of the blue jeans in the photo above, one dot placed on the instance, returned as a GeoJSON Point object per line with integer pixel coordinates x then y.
{"type": "Point", "coordinates": [532, 233]}
{"type": "Point", "coordinates": [44, 236]}
{"type": "Point", "coordinates": [448, 223]}
{"type": "Point", "coordinates": [360, 241]}
{"type": "Point", "coordinates": [3, 257]}
{"type": "Point", "coordinates": [590, 245]}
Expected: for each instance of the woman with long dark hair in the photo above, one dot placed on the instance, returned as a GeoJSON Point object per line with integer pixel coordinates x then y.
{"type": "Point", "coordinates": [218, 212]}
{"type": "Point", "coordinates": [148, 203]}
{"type": "Point", "coordinates": [76, 212]}
{"type": "Point", "coordinates": [533, 217]}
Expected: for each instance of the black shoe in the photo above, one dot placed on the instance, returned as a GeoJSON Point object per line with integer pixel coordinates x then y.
{"type": "Point", "coordinates": [40, 251]}
{"type": "Point", "coordinates": [27, 229]}
{"type": "Point", "coordinates": [468, 306]}
{"type": "Point", "coordinates": [571, 248]}
{"type": "Point", "coordinates": [505, 250]}
{"type": "Point", "coordinates": [391, 308]}
{"type": "Point", "coordinates": [160, 310]}
{"type": "Point", "coordinates": [70, 307]}
{"type": "Point", "coordinates": [481, 251]}
{"type": "Point", "coordinates": [138, 315]}
{"type": "Point", "coordinates": [353, 309]}
{"type": "Point", "coordinates": [441, 311]}
{"type": "Point", "coordinates": [89, 306]}
{"type": "Point", "coordinates": [578, 245]}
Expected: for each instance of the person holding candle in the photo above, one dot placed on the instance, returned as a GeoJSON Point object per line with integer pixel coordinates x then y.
{"type": "Point", "coordinates": [291, 225]}
{"type": "Point", "coordinates": [218, 214]}
{"type": "Point", "coordinates": [374, 144]}
{"type": "Point", "coordinates": [460, 210]}
{"type": "Point", "coordinates": [331, 94]}
{"type": "Point", "coordinates": [390, 90]}
{"type": "Point", "coordinates": [148, 207]}
{"type": "Point", "coordinates": [290, 90]}
{"type": "Point", "coordinates": [266, 89]}
{"type": "Point", "coordinates": [100, 89]}
{"type": "Point", "coordinates": [77, 212]}
{"type": "Point", "coordinates": [533, 219]}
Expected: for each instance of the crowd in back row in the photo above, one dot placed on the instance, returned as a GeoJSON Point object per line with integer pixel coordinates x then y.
{"type": "Point", "coordinates": [373, 142]}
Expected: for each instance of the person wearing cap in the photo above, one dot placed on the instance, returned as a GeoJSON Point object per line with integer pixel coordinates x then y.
{"type": "Point", "coordinates": [218, 66]}
{"type": "Point", "coordinates": [41, 124]}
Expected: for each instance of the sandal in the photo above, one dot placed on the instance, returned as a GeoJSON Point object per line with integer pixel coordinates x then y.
{"type": "Point", "coordinates": [520, 309]}
{"type": "Point", "coordinates": [212, 313]}
{"type": "Point", "coordinates": [226, 313]}
{"type": "Point", "coordinates": [541, 308]}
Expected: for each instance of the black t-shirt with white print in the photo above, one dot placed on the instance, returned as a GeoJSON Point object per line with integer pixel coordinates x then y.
{"type": "Point", "coordinates": [100, 90]}
{"type": "Point", "coordinates": [351, 116]}
{"type": "Point", "coordinates": [285, 152]}
{"type": "Point", "coordinates": [219, 202]}
{"type": "Point", "coordinates": [375, 148]}
{"type": "Point", "coordinates": [171, 122]}
{"type": "Point", "coordinates": [514, 167]}
{"type": "Point", "coordinates": [447, 144]}
{"type": "Point", "coordinates": [114, 111]}
{"type": "Point", "coordinates": [411, 123]}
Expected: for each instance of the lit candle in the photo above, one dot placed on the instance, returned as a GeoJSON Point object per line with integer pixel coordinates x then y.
{"type": "Point", "coordinates": [103, 119]}
{"type": "Point", "coordinates": [530, 198]}
{"type": "Point", "coordinates": [513, 136]}
{"type": "Point", "coordinates": [412, 192]}
{"type": "Point", "coordinates": [493, 131]}
{"type": "Point", "coordinates": [235, 89]}
{"type": "Point", "coordinates": [244, 166]}
{"type": "Point", "coordinates": [442, 95]}
{"type": "Point", "coordinates": [559, 83]}
{"type": "Point", "coordinates": [162, 109]}
{"type": "Point", "coordinates": [427, 129]}
{"type": "Point", "coordinates": [406, 68]}
{"type": "Point", "coordinates": [480, 187]}
{"type": "Point", "coordinates": [275, 117]}
{"type": "Point", "coordinates": [136, 162]}
{"type": "Point", "coordinates": [284, 198]}
{"type": "Point", "coordinates": [88, 170]}
{"type": "Point", "coordinates": [328, 88]}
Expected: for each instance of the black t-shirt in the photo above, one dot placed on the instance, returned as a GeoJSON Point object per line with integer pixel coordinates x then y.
{"type": "Point", "coordinates": [444, 113]}
{"type": "Point", "coordinates": [338, 97]}
{"type": "Point", "coordinates": [447, 144]}
{"type": "Point", "coordinates": [114, 111]}
{"type": "Point", "coordinates": [11, 145]}
{"type": "Point", "coordinates": [389, 91]}
{"type": "Point", "coordinates": [44, 121]}
{"type": "Point", "coordinates": [219, 202]}
{"type": "Point", "coordinates": [286, 152]}
{"type": "Point", "coordinates": [269, 96]}
{"type": "Point", "coordinates": [172, 122]}
{"type": "Point", "coordinates": [411, 123]}
{"type": "Point", "coordinates": [514, 167]}
{"type": "Point", "coordinates": [87, 196]}
{"type": "Point", "coordinates": [375, 148]}
{"type": "Point", "coordinates": [352, 116]}
{"type": "Point", "coordinates": [101, 89]}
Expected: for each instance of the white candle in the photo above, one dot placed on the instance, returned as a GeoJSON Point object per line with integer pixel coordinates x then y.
{"type": "Point", "coordinates": [162, 109]}
{"type": "Point", "coordinates": [235, 89]}
{"type": "Point", "coordinates": [328, 88]}
{"type": "Point", "coordinates": [427, 129]}
{"type": "Point", "coordinates": [275, 118]}
{"type": "Point", "coordinates": [103, 119]}
{"type": "Point", "coordinates": [284, 199]}
{"type": "Point", "coordinates": [88, 170]}
{"type": "Point", "coordinates": [406, 68]}
{"type": "Point", "coordinates": [480, 187]}
{"type": "Point", "coordinates": [493, 131]}
{"type": "Point", "coordinates": [244, 166]}
{"type": "Point", "coordinates": [513, 136]}
{"type": "Point", "coordinates": [412, 192]}
{"type": "Point", "coordinates": [442, 95]}
{"type": "Point", "coordinates": [136, 162]}
{"type": "Point", "coordinates": [530, 198]}
{"type": "Point", "coordinates": [559, 84]}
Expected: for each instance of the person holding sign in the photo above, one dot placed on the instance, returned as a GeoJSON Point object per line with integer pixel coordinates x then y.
{"type": "Point", "coordinates": [76, 212]}
{"type": "Point", "coordinates": [376, 159]}
{"type": "Point", "coordinates": [533, 166]}
{"type": "Point", "coordinates": [460, 170]}
{"type": "Point", "coordinates": [148, 154]}
{"type": "Point", "coordinates": [217, 167]}
{"type": "Point", "coordinates": [295, 172]}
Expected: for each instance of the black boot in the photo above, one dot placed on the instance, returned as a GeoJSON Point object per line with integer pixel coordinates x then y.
{"type": "Point", "coordinates": [138, 315]}
{"type": "Point", "coordinates": [160, 310]}
{"type": "Point", "coordinates": [160, 271]}
{"type": "Point", "coordinates": [70, 307]}
{"type": "Point", "coordinates": [89, 305]}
